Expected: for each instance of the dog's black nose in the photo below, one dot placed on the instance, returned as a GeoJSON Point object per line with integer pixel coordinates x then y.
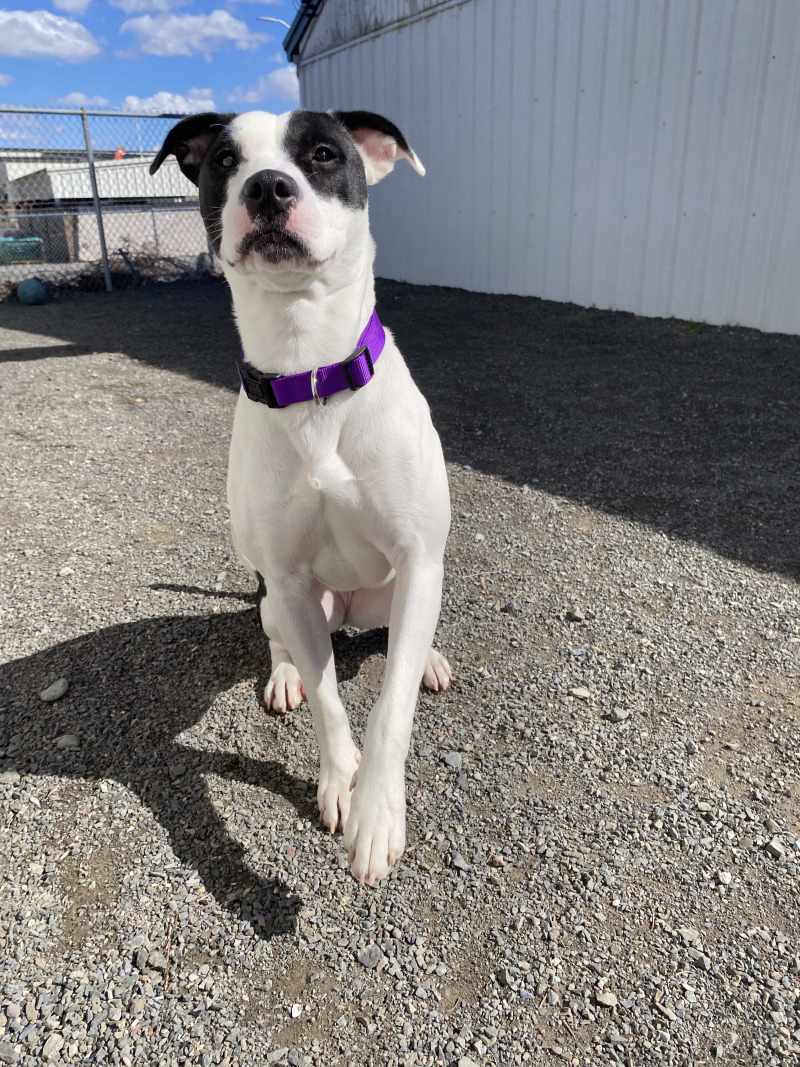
{"type": "Point", "coordinates": [270, 191]}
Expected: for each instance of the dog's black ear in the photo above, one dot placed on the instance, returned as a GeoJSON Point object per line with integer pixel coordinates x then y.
{"type": "Point", "coordinates": [379, 141]}
{"type": "Point", "coordinates": [190, 140]}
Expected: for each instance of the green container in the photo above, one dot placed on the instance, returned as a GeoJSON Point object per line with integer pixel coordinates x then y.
{"type": "Point", "coordinates": [21, 250]}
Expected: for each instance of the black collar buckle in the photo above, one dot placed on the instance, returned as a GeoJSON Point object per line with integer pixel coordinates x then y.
{"type": "Point", "coordinates": [258, 385]}
{"type": "Point", "coordinates": [362, 351]}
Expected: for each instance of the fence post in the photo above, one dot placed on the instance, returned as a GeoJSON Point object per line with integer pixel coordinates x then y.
{"type": "Point", "coordinates": [96, 199]}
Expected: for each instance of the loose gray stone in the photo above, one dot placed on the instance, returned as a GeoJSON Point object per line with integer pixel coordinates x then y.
{"type": "Point", "coordinates": [157, 961]}
{"type": "Point", "coordinates": [68, 741]}
{"type": "Point", "coordinates": [605, 998]}
{"type": "Point", "coordinates": [370, 957]}
{"type": "Point", "coordinates": [277, 1054]}
{"type": "Point", "coordinates": [52, 1046]}
{"type": "Point", "coordinates": [8, 1054]}
{"type": "Point", "coordinates": [453, 760]}
{"type": "Point", "coordinates": [55, 691]}
{"type": "Point", "coordinates": [458, 861]}
{"type": "Point", "coordinates": [775, 848]}
{"type": "Point", "coordinates": [618, 715]}
{"type": "Point", "coordinates": [513, 608]}
{"type": "Point", "coordinates": [580, 692]}
{"type": "Point", "coordinates": [10, 777]}
{"type": "Point", "coordinates": [688, 933]}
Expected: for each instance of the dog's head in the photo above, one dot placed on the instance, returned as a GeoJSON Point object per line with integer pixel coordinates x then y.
{"type": "Point", "coordinates": [285, 193]}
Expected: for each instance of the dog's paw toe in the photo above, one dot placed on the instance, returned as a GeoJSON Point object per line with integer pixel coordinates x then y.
{"type": "Point", "coordinates": [376, 832]}
{"type": "Point", "coordinates": [333, 792]}
{"type": "Point", "coordinates": [284, 690]}
{"type": "Point", "coordinates": [438, 674]}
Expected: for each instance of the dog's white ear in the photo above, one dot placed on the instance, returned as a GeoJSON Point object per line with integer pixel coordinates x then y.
{"type": "Point", "coordinates": [379, 142]}
{"type": "Point", "coordinates": [189, 142]}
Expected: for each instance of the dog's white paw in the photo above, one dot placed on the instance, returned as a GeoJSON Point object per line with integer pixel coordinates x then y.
{"type": "Point", "coordinates": [333, 791]}
{"type": "Point", "coordinates": [376, 830]}
{"type": "Point", "coordinates": [284, 690]}
{"type": "Point", "coordinates": [438, 674]}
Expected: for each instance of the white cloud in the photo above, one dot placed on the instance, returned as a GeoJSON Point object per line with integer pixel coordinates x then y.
{"type": "Point", "coordinates": [163, 103]}
{"type": "Point", "coordinates": [82, 100]}
{"type": "Point", "coordinates": [137, 7]}
{"type": "Point", "coordinates": [282, 83]}
{"type": "Point", "coordinates": [21, 127]}
{"type": "Point", "coordinates": [5, 79]}
{"type": "Point", "coordinates": [189, 35]}
{"type": "Point", "coordinates": [72, 7]}
{"type": "Point", "coordinates": [42, 35]}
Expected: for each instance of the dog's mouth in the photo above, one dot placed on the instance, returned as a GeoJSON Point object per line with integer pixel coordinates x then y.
{"type": "Point", "coordinates": [273, 244]}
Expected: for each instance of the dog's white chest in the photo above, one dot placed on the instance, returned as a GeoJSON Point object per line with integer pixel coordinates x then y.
{"type": "Point", "coordinates": [301, 497]}
{"type": "Point", "coordinates": [331, 480]}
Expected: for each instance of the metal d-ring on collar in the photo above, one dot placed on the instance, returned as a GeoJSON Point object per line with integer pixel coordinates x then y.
{"type": "Point", "coordinates": [353, 373]}
{"type": "Point", "coordinates": [319, 402]}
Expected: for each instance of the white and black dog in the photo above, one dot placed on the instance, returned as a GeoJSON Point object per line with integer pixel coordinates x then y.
{"type": "Point", "coordinates": [336, 483]}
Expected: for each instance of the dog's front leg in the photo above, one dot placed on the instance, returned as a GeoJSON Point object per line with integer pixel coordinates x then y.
{"type": "Point", "coordinates": [376, 830]}
{"type": "Point", "coordinates": [303, 626]}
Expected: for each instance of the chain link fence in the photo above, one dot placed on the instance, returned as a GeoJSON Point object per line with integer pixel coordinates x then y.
{"type": "Point", "coordinates": [79, 208]}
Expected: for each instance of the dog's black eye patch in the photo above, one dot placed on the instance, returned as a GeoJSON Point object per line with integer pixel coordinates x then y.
{"type": "Point", "coordinates": [220, 165]}
{"type": "Point", "coordinates": [327, 156]}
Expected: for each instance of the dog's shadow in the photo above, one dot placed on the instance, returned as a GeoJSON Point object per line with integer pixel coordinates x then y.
{"type": "Point", "coordinates": [134, 689]}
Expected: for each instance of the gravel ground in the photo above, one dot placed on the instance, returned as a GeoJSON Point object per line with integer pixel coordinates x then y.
{"type": "Point", "coordinates": [604, 824]}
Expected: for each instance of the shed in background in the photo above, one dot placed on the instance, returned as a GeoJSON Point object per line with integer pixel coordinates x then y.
{"type": "Point", "coordinates": [631, 154]}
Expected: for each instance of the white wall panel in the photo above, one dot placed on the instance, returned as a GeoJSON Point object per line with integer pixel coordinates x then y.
{"type": "Point", "coordinates": [633, 154]}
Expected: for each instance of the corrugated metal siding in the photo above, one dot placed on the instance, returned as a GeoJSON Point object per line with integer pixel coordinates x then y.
{"type": "Point", "coordinates": [341, 21]}
{"type": "Point", "coordinates": [632, 154]}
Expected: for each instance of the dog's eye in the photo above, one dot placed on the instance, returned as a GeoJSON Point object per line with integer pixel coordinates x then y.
{"type": "Point", "coordinates": [323, 154]}
{"type": "Point", "coordinates": [226, 160]}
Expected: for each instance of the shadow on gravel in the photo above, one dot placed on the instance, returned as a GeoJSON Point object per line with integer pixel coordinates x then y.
{"type": "Point", "coordinates": [134, 689]}
{"type": "Point", "coordinates": [689, 428]}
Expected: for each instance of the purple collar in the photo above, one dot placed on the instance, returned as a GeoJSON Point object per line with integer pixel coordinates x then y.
{"type": "Point", "coordinates": [278, 390]}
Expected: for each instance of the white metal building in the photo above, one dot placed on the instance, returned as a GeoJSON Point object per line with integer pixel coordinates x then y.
{"type": "Point", "coordinates": [117, 179]}
{"type": "Point", "coordinates": [633, 154]}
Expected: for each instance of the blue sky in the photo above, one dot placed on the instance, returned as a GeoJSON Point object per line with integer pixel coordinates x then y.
{"type": "Point", "coordinates": [150, 55]}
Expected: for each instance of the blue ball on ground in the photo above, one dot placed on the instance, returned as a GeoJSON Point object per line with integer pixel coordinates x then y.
{"type": "Point", "coordinates": [31, 291]}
